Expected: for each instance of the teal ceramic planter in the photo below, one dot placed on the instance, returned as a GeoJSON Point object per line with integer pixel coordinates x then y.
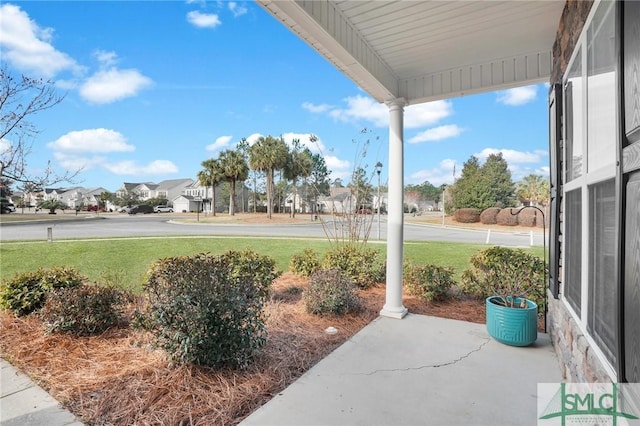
{"type": "Point", "coordinates": [512, 326]}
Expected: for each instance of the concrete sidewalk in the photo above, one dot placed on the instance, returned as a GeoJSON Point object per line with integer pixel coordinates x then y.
{"type": "Point", "coordinates": [23, 403]}
{"type": "Point", "coordinates": [418, 371]}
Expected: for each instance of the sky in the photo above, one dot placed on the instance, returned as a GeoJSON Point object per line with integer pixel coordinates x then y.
{"type": "Point", "coordinates": [153, 88]}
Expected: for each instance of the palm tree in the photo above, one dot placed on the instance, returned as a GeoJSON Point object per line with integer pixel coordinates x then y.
{"type": "Point", "coordinates": [211, 175]}
{"type": "Point", "coordinates": [299, 164]}
{"type": "Point", "coordinates": [233, 167]}
{"type": "Point", "coordinates": [267, 155]}
{"type": "Point", "coordinates": [533, 189]}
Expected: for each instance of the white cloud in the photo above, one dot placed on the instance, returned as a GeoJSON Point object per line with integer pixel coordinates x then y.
{"type": "Point", "coordinates": [363, 108]}
{"type": "Point", "coordinates": [221, 142]}
{"type": "Point", "coordinates": [426, 114]}
{"type": "Point", "coordinates": [107, 86]}
{"type": "Point", "coordinates": [437, 134]}
{"type": "Point", "coordinates": [77, 162]}
{"type": "Point", "coordinates": [252, 138]}
{"type": "Point", "coordinates": [106, 58]}
{"type": "Point", "coordinates": [316, 108]}
{"type": "Point", "coordinates": [339, 168]}
{"type": "Point", "coordinates": [5, 146]}
{"type": "Point", "coordinates": [513, 156]}
{"type": "Point", "coordinates": [308, 140]}
{"type": "Point", "coordinates": [91, 141]}
{"type": "Point", "coordinates": [203, 20]}
{"type": "Point", "coordinates": [28, 47]}
{"type": "Point", "coordinates": [517, 96]}
{"type": "Point", "coordinates": [443, 174]}
{"type": "Point", "coordinates": [132, 168]}
{"type": "Point", "coordinates": [236, 9]}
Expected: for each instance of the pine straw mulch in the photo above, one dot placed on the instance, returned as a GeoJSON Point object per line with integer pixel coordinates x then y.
{"type": "Point", "coordinates": [118, 379]}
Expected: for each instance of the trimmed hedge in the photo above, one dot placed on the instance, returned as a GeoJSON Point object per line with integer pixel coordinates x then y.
{"type": "Point", "coordinates": [528, 217]}
{"type": "Point", "coordinates": [490, 216]}
{"type": "Point", "coordinates": [467, 215]}
{"type": "Point", "coordinates": [505, 218]}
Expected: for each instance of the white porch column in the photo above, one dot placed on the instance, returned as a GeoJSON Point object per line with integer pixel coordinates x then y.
{"type": "Point", "coordinates": [395, 219]}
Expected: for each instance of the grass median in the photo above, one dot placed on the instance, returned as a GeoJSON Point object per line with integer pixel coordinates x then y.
{"type": "Point", "coordinates": [126, 260]}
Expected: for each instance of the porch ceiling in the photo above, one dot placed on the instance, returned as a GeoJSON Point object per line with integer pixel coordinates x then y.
{"type": "Point", "coordinates": [426, 50]}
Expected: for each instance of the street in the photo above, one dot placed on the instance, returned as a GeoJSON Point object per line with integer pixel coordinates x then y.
{"type": "Point", "coordinates": [110, 226]}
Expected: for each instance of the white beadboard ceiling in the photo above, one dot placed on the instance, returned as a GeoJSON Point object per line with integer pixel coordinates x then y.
{"type": "Point", "coordinates": [424, 50]}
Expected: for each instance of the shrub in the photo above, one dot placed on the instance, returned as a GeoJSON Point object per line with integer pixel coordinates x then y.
{"type": "Point", "coordinates": [467, 215]}
{"type": "Point", "coordinates": [505, 218]}
{"type": "Point", "coordinates": [305, 263]}
{"type": "Point", "coordinates": [84, 310]}
{"type": "Point", "coordinates": [428, 282]}
{"type": "Point", "coordinates": [528, 217]}
{"type": "Point", "coordinates": [330, 291]}
{"type": "Point", "coordinates": [206, 309]}
{"type": "Point", "coordinates": [27, 292]}
{"type": "Point", "coordinates": [489, 216]}
{"type": "Point", "coordinates": [505, 272]}
{"type": "Point", "coordinates": [359, 263]}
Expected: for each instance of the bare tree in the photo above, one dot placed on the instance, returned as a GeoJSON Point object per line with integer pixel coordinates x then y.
{"type": "Point", "coordinates": [20, 99]}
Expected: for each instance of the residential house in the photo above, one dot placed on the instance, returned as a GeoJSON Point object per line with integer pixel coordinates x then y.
{"type": "Point", "coordinates": [169, 189]}
{"type": "Point", "coordinates": [589, 52]}
{"type": "Point", "coordinates": [339, 201]}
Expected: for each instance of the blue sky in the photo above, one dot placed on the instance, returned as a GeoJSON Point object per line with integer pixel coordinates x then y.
{"type": "Point", "coordinates": [154, 88]}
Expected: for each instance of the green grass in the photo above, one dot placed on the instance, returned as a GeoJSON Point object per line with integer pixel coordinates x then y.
{"type": "Point", "coordinates": [129, 259]}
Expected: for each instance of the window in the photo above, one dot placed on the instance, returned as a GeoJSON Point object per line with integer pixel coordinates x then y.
{"type": "Point", "coordinates": [573, 248]}
{"type": "Point", "coordinates": [601, 89]}
{"type": "Point", "coordinates": [591, 229]}
{"type": "Point", "coordinates": [603, 289]}
{"type": "Point", "coordinates": [574, 136]}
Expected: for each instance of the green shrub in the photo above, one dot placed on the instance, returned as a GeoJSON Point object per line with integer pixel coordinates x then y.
{"type": "Point", "coordinates": [330, 292]}
{"type": "Point", "coordinates": [505, 272]}
{"type": "Point", "coordinates": [471, 215]}
{"type": "Point", "coordinates": [305, 263]}
{"type": "Point", "coordinates": [27, 292]}
{"type": "Point", "coordinates": [84, 310]}
{"type": "Point", "coordinates": [359, 263]}
{"type": "Point", "coordinates": [428, 282]}
{"type": "Point", "coordinates": [206, 309]}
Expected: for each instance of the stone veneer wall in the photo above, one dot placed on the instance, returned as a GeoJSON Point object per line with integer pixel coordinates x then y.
{"type": "Point", "coordinates": [578, 361]}
{"type": "Point", "coordinates": [573, 17]}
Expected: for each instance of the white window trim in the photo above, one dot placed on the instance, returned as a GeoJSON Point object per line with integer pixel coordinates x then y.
{"type": "Point", "coordinates": [585, 180]}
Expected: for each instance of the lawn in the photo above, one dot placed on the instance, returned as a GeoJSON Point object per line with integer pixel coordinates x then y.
{"type": "Point", "coordinates": [126, 260]}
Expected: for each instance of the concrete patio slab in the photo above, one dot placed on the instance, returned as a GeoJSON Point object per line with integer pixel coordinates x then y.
{"type": "Point", "coordinates": [417, 371]}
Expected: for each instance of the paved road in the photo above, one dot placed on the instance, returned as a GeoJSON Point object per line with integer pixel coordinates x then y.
{"type": "Point", "coordinates": [158, 225]}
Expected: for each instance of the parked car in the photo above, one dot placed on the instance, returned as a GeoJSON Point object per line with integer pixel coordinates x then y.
{"type": "Point", "coordinates": [6, 206]}
{"type": "Point", "coordinates": [142, 208]}
{"type": "Point", "coordinates": [162, 209]}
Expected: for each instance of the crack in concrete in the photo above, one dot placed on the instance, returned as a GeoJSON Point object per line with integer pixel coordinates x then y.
{"type": "Point", "coordinates": [422, 367]}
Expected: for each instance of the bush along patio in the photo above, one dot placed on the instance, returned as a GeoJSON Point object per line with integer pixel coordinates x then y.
{"type": "Point", "coordinates": [212, 337]}
{"type": "Point", "coordinates": [513, 285]}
